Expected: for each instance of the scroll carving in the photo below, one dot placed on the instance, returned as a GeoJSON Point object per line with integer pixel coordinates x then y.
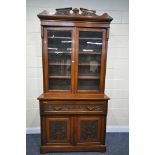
{"type": "Point", "coordinates": [91, 107]}
{"type": "Point", "coordinates": [88, 130]}
{"type": "Point", "coordinates": [76, 11]}
{"type": "Point", "coordinates": [74, 14]}
{"type": "Point", "coordinates": [86, 12]}
{"type": "Point", "coordinates": [58, 130]}
{"type": "Point", "coordinates": [73, 107]}
{"type": "Point", "coordinates": [71, 12]}
{"type": "Point", "coordinates": [57, 108]}
{"type": "Point", "coordinates": [63, 11]}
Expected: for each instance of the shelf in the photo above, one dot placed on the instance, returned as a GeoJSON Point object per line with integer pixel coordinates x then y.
{"type": "Point", "coordinates": [58, 64]}
{"type": "Point", "coordinates": [59, 90]}
{"type": "Point", "coordinates": [59, 52]}
{"type": "Point", "coordinates": [91, 53]}
{"type": "Point", "coordinates": [89, 77]}
{"type": "Point", "coordinates": [84, 64]}
{"type": "Point", "coordinates": [59, 77]}
{"type": "Point", "coordinates": [91, 38]}
{"type": "Point", "coordinates": [59, 37]}
{"type": "Point", "coordinates": [81, 90]}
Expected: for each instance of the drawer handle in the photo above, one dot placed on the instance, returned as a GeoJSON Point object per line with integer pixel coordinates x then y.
{"type": "Point", "coordinates": [57, 108]}
{"type": "Point", "coordinates": [91, 108]}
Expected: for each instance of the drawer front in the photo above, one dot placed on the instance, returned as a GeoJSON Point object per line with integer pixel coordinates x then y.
{"type": "Point", "coordinates": [73, 107]}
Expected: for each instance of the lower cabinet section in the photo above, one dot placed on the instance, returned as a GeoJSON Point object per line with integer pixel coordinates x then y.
{"type": "Point", "coordinates": [73, 125]}
{"type": "Point", "coordinates": [73, 133]}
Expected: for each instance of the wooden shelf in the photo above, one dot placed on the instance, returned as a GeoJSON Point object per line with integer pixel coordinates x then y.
{"type": "Point", "coordinates": [84, 64]}
{"type": "Point", "coordinates": [59, 37]}
{"type": "Point", "coordinates": [59, 77]}
{"type": "Point", "coordinates": [89, 77]}
{"type": "Point", "coordinates": [57, 52]}
{"type": "Point", "coordinates": [82, 90]}
{"type": "Point", "coordinates": [91, 53]}
{"type": "Point", "coordinates": [91, 38]}
{"type": "Point", "coordinates": [58, 64]}
{"type": "Point", "coordinates": [59, 90]}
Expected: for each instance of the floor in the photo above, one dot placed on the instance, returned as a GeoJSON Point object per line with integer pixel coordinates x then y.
{"type": "Point", "coordinates": [117, 144]}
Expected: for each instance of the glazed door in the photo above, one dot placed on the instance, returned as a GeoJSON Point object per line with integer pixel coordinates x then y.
{"type": "Point", "coordinates": [91, 57]}
{"type": "Point", "coordinates": [58, 47]}
{"type": "Point", "coordinates": [74, 60]}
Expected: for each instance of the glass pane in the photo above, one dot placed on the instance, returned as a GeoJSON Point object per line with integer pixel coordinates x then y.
{"type": "Point", "coordinates": [62, 70]}
{"type": "Point", "coordinates": [90, 50]}
{"type": "Point", "coordinates": [89, 85]}
{"type": "Point", "coordinates": [59, 59]}
{"type": "Point", "coordinates": [59, 84]}
{"type": "Point", "coordinates": [89, 71]}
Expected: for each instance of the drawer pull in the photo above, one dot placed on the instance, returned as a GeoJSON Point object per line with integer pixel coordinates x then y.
{"type": "Point", "coordinates": [91, 108]}
{"type": "Point", "coordinates": [57, 108]}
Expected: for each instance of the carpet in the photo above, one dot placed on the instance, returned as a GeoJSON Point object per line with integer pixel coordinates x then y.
{"type": "Point", "coordinates": [117, 144]}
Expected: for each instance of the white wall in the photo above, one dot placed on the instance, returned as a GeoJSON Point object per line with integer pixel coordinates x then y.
{"type": "Point", "coordinates": [117, 63]}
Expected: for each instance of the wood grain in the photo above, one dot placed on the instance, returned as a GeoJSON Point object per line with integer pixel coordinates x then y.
{"type": "Point", "coordinates": [73, 120]}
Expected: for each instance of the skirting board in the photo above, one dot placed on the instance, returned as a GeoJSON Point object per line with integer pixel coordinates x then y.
{"type": "Point", "coordinates": [109, 129]}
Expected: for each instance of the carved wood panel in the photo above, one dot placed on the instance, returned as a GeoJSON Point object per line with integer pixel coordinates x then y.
{"type": "Point", "coordinates": [47, 107]}
{"type": "Point", "coordinates": [89, 129]}
{"type": "Point", "coordinates": [58, 129]}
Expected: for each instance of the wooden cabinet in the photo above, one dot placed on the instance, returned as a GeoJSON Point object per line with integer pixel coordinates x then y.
{"type": "Point", "coordinates": [73, 106]}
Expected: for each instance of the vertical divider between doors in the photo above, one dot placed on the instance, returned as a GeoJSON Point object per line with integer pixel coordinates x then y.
{"type": "Point", "coordinates": [72, 62]}
{"type": "Point", "coordinates": [75, 46]}
{"type": "Point", "coordinates": [74, 130]}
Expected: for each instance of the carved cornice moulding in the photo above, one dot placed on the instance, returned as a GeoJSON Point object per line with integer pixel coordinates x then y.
{"type": "Point", "coordinates": [74, 14]}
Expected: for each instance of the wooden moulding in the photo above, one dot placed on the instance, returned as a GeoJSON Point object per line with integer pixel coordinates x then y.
{"type": "Point", "coordinates": [47, 149]}
{"type": "Point", "coordinates": [73, 107]}
{"type": "Point", "coordinates": [74, 15]}
{"type": "Point", "coordinates": [49, 96]}
{"type": "Point", "coordinates": [73, 119]}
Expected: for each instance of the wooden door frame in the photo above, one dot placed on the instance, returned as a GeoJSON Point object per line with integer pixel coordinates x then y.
{"type": "Point", "coordinates": [45, 58]}
{"type": "Point", "coordinates": [74, 58]}
{"type": "Point", "coordinates": [46, 130]}
{"type": "Point", "coordinates": [101, 119]}
{"type": "Point", "coordinates": [103, 58]}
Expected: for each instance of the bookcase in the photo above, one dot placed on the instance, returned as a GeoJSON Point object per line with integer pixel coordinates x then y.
{"type": "Point", "coordinates": [73, 106]}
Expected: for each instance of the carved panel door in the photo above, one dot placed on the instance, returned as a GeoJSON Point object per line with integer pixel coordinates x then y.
{"type": "Point", "coordinates": [58, 130]}
{"type": "Point", "coordinates": [90, 130]}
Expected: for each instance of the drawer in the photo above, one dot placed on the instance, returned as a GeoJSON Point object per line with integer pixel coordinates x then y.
{"type": "Point", "coordinates": [73, 107]}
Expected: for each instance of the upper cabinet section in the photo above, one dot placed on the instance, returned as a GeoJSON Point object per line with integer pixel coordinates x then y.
{"type": "Point", "coordinates": [69, 14]}
{"type": "Point", "coordinates": [74, 45]}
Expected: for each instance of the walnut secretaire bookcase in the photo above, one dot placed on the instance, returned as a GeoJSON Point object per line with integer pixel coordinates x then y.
{"type": "Point", "coordinates": [73, 106]}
